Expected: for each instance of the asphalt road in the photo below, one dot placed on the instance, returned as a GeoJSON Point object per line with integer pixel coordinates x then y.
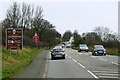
{"type": "Point", "coordinates": [35, 69]}
{"type": "Point", "coordinates": [76, 65]}
{"type": "Point", "coordinates": [82, 65]}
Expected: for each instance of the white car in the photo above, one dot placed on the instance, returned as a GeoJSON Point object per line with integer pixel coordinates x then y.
{"type": "Point", "coordinates": [82, 47]}
{"type": "Point", "coordinates": [68, 45]}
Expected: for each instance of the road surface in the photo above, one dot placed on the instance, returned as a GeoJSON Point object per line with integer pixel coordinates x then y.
{"type": "Point", "coordinates": [35, 69]}
{"type": "Point", "coordinates": [82, 65]}
{"type": "Point", "coordinates": [76, 65]}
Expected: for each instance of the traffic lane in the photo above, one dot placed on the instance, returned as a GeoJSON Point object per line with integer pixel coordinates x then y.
{"type": "Point", "coordinates": [36, 68]}
{"type": "Point", "coordinates": [65, 68]}
{"type": "Point", "coordinates": [109, 58]}
{"type": "Point", "coordinates": [101, 69]}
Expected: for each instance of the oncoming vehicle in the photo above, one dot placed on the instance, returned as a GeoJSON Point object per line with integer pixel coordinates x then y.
{"type": "Point", "coordinates": [68, 45]}
{"type": "Point", "coordinates": [57, 53]}
{"type": "Point", "coordinates": [98, 49]}
{"type": "Point", "coordinates": [82, 47]}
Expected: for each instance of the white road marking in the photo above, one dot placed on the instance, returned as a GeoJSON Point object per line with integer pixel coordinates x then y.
{"type": "Point", "coordinates": [45, 72]}
{"type": "Point", "coordinates": [108, 77]}
{"type": "Point", "coordinates": [115, 63]}
{"type": "Point", "coordinates": [69, 57]}
{"type": "Point", "coordinates": [77, 62]}
{"type": "Point", "coordinates": [92, 74]}
{"type": "Point", "coordinates": [84, 67]}
{"type": "Point", "coordinates": [104, 72]}
{"type": "Point", "coordinates": [102, 59]}
{"type": "Point", "coordinates": [81, 65]}
{"type": "Point", "coordinates": [105, 69]}
{"type": "Point", "coordinates": [93, 56]}
{"type": "Point", "coordinates": [74, 60]}
{"type": "Point", "coordinates": [101, 74]}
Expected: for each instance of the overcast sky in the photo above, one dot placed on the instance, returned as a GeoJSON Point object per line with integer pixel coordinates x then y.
{"type": "Point", "coordinates": [81, 15]}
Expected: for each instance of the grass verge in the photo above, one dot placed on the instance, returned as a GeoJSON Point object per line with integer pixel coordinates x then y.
{"type": "Point", "coordinates": [12, 65]}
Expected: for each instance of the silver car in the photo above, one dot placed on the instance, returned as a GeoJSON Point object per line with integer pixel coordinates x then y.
{"type": "Point", "coordinates": [58, 53]}
{"type": "Point", "coordinates": [82, 47]}
{"type": "Point", "coordinates": [68, 45]}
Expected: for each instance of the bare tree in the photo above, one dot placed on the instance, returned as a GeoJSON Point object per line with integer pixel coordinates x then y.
{"type": "Point", "coordinates": [102, 32]}
{"type": "Point", "coordinates": [13, 15]}
{"type": "Point", "coordinates": [30, 19]}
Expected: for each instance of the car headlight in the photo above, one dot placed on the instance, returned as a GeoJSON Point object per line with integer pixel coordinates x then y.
{"type": "Point", "coordinates": [95, 52]}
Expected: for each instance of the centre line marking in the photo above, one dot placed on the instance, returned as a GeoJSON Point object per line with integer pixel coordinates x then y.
{"type": "Point", "coordinates": [92, 74]}
{"type": "Point", "coordinates": [81, 65]}
{"type": "Point", "coordinates": [74, 60]}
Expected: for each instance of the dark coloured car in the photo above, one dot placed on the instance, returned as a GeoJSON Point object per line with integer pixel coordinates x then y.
{"type": "Point", "coordinates": [64, 43]}
{"type": "Point", "coordinates": [58, 53]}
{"type": "Point", "coordinates": [98, 49]}
{"type": "Point", "coordinates": [82, 47]}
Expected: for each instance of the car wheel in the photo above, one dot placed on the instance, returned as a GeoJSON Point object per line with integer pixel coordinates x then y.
{"type": "Point", "coordinates": [79, 50]}
{"type": "Point", "coordinates": [64, 57]}
{"type": "Point", "coordinates": [52, 57]}
{"type": "Point", "coordinates": [104, 54]}
{"type": "Point", "coordinates": [92, 53]}
{"type": "Point", "coordinates": [95, 54]}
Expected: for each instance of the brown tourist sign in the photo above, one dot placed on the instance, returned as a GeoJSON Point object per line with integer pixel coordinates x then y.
{"type": "Point", "coordinates": [14, 39]}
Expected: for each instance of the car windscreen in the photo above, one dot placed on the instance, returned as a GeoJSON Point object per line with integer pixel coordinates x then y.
{"type": "Point", "coordinates": [83, 45]}
{"type": "Point", "coordinates": [68, 44]}
{"type": "Point", "coordinates": [58, 47]}
{"type": "Point", "coordinates": [57, 50]}
{"type": "Point", "coordinates": [99, 47]}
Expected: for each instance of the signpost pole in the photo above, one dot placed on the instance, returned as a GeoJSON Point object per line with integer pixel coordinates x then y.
{"type": "Point", "coordinates": [18, 51]}
{"type": "Point", "coordinates": [36, 44]}
{"type": "Point", "coordinates": [10, 52]}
